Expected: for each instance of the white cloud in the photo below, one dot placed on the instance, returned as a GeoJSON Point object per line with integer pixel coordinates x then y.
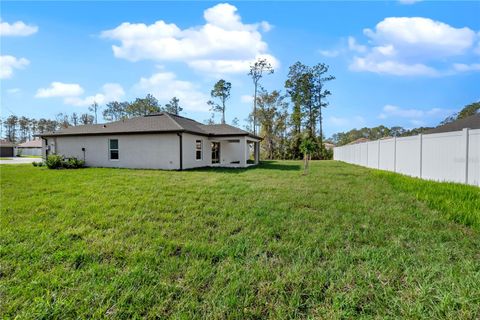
{"type": "Point", "coordinates": [408, 1]}
{"type": "Point", "coordinates": [462, 67]}
{"type": "Point", "coordinates": [60, 89]}
{"type": "Point", "coordinates": [220, 67]}
{"type": "Point", "coordinates": [409, 46]}
{"type": "Point", "coordinates": [391, 67]}
{"type": "Point", "coordinates": [13, 90]}
{"type": "Point", "coordinates": [110, 92]}
{"type": "Point", "coordinates": [165, 85]}
{"type": "Point", "coordinates": [9, 63]}
{"type": "Point", "coordinates": [18, 28]}
{"type": "Point", "coordinates": [415, 116]}
{"type": "Point", "coordinates": [356, 121]}
{"type": "Point", "coordinates": [246, 98]}
{"type": "Point", "coordinates": [329, 53]}
{"type": "Point", "coordinates": [224, 44]}
{"type": "Point", "coordinates": [354, 46]}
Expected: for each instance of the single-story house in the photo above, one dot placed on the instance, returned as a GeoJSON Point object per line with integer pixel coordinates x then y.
{"type": "Point", "coordinates": [329, 146]}
{"type": "Point", "coordinates": [30, 148]}
{"type": "Point", "coordinates": [157, 141]}
{"type": "Point", "coordinates": [471, 122]}
{"type": "Point", "coordinates": [6, 148]}
{"type": "Point", "coordinates": [359, 140]}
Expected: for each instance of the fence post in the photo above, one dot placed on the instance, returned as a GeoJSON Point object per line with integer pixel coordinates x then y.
{"type": "Point", "coordinates": [395, 154]}
{"type": "Point", "coordinates": [465, 134]}
{"type": "Point", "coordinates": [420, 136]}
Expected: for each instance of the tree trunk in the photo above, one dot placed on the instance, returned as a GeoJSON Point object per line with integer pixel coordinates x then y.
{"type": "Point", "coordinates": [223, 111]}
{"type": "Point", "coordinates": [255, 110]}
{"type": "Point", "coordinates": [320, 121]}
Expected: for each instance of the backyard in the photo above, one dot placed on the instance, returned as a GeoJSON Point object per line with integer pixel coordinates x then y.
{"type": "Point", "coordinates": [264, 242]}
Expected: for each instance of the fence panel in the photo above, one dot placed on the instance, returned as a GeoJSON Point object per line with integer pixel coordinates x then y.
{"type": "Point", "coordinates": [451, 156]}
{"type": "Point", "coordinates": [372, 154]}
{"type": "Point", "coordinates": [387, 153]}
{"type": "Point", "coordinates": [408, 156]}
{"type": "Point", "coordinates": [443, 157]}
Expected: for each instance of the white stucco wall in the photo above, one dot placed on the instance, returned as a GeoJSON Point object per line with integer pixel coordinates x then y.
{"type": "Point", "coordinates": [29, 151]}
{"type": "Point", "coordinates": [189, 148]}
{"type": "Point", "coordinates": [148, 151]}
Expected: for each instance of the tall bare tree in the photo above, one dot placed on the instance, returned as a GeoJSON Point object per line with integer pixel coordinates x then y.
{"type": "Point", "coordinates": [94, 108]}
{"type": "Point", "coordinates": [320, 78]}
{"type": "Point", "coordinates": [257, 70]}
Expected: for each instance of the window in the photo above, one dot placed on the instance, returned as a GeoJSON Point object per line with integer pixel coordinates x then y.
{"type": "Point", "coordinates": [113, 149]}
{"type": "Point", "coordinates": [198, 149]}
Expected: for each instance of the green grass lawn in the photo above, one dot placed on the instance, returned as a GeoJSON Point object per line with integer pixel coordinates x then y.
{"type": "Point", "coordinates": [26, 156]}
{"type": "Point", "coordinates": [264, 242]}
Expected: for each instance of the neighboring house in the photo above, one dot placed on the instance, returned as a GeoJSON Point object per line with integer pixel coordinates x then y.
{"type": "Point", "coordinates": [30, 148]}
{"type": "Point", "coordinates": [329, 146]}
{"type": "Point", "coordinates": [471, 122]}
{"type": "Point", "coordinates": [157, 141]}
{"type": "Point", "coordinates": [6, 148]}
{"type": "Point", "coordinates": [359, 140]}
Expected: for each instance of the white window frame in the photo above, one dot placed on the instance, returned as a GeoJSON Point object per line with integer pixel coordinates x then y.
{"type": "Point", "coordinates": [110, 150]}
{"type": "Point", "coordinates": [201, 149]}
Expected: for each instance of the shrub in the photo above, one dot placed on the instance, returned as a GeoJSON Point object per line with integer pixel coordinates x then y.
{"type": "Point", "coordinates": [37, 164]}
{"type": "Point", "coordinates": [73, 163]}
{"type": "Point", "coordinates": [54, 161]}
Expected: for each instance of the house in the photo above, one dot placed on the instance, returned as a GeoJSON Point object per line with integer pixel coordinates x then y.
{"type": "Point", "coordinates": [30, 148]}
{"type": "Point", "coordinates": [471, 122]}
{"type": "Point", "coordinates": [156, 141]}
{"type": "Point", "coordinates": [359, 140]}
{"type": "Point", "coordinates": [329, 146]}
{"type": "Point", "coordinates": [6, 148]}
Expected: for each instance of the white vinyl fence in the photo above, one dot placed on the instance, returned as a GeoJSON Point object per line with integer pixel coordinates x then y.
{"type": "Point", "coordinates": [450, 156]}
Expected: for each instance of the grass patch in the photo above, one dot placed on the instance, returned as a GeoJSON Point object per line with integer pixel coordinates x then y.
{"type": "Point", "coordinates": [458, 202]}
{"type": "Point", "coordinates": [3, 158]}
{"type": "Point", "coordinates": [25, 156]}
{"type": "Point", "coordinates": [263, 242]}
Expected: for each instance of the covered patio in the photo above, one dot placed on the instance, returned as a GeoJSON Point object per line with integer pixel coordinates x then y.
{"type": "Point", "coordinates": [234, 151]}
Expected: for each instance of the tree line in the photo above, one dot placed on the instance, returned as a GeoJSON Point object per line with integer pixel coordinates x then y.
{"type": "Point", "coordinates": [20, 129]}
{"type": "Point", "coordinates": [375, 133]}
{"type": "Point", "coordinates": [283, 128]}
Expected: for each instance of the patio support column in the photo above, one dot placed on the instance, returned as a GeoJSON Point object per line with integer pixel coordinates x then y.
{"type": "Point", "coordinates": [257, 152]}
{"type": "Point", "coordinates": [245, 152]}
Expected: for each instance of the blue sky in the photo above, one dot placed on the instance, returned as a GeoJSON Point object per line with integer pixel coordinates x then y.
{"type": "Point", "coordinates": [404, 63]}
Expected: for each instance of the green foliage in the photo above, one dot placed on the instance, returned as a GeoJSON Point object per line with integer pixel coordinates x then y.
{"type": "Point", "coordinates": [272, 117]}
{"type": "Point", "coordinates": [257, 243]}
{"type": "Point", "coordinates": [173, 106]}
{"type": "Point", "coordinates": [375, 133]}
{"type": "Point", "coordinates": [457, 202]}
{"type": "Point", "coordinates": [143, 106]}
{"type": "Point", "coordinates": [73, 163]}
{"type": "Point", "coordinates": [308, 146]}
{"type": "Point", "coordinates": [468, 110]}
{"type": "Point", "coordinates": [221, 91]}
{"type": "Point", "coordinates": [56, 161]}
{"type": "Point", "coordinates": [38, 164]}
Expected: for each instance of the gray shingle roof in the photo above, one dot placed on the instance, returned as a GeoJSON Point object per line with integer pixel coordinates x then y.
{"type": "Point", "coordinates": [37, 143]}
{"type": "Point", "coordinates": [5, 143]}
{"type": "Point", "coordinates": [154, 123]}
{"type": "Point", "coordinates": [471, 122]}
